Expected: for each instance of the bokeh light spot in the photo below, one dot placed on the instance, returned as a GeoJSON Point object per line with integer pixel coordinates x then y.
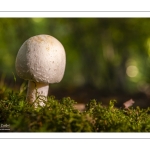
{"type": "Point", "coordinates": [132, 71]}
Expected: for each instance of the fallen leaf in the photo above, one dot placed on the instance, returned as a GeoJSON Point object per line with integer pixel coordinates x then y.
{"type": "Point", "coordinates": [128, 103]}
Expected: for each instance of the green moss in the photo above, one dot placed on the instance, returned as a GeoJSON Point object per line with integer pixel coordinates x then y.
{"type": "Point", "coordinates": [61, 116]}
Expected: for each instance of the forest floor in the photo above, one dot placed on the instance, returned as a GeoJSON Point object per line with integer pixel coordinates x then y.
{"type": "Point", "coordinates": [84, 95]}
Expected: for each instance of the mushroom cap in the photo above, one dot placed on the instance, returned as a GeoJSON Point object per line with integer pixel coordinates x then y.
{"type": "Point", "coordinates": [41, 58]}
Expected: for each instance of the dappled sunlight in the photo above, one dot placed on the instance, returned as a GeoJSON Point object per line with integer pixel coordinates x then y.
{"type": "Point", "coordinates": [148, 46]}
{"type": "Point", "coordinates": [132, 71]}
{"type": "Point", "coordinates": [37, 20]}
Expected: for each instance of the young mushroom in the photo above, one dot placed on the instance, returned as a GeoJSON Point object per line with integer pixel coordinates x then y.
{"type": "Point", "coordinates": [41, 59]}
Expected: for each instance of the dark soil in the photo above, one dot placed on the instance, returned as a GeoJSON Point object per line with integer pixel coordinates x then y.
{"type": "Point", "coordinates": [85, 94]}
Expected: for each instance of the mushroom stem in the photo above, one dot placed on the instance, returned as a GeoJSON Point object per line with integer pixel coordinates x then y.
{"type": "Point", "coordinates": [37, 92]}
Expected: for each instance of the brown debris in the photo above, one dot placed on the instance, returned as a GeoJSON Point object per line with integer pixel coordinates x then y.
{"type": "Point", "coordinates": [128, 103]}
{"type": "Point", "coordinates": [80, 107]}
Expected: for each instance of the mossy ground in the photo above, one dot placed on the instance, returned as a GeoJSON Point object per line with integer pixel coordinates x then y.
{"type": "Point", "coordinates": [62, 116]}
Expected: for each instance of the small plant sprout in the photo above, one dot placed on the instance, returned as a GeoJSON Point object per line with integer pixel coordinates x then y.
{"type": "Point", "coordinates": [41, 59]}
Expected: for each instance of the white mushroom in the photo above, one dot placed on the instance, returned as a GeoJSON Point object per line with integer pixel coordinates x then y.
{"type": "Point", "coordinates": [41, 60]}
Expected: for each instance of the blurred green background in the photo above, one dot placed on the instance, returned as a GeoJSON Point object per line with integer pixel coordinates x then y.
{"type": "Point", "coordinates": [107, 58]}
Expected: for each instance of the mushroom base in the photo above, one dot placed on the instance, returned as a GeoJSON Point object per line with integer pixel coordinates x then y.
{"type": "Point", "coordinates": [37, 93]}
